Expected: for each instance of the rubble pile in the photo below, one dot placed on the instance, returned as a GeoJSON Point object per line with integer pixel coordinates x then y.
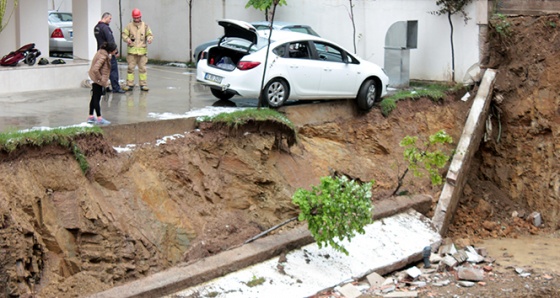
{"type": "Point", "coordinates": [464, 268]}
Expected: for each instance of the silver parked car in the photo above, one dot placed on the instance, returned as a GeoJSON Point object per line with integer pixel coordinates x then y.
{"type": "Point", "coordinates": [60, 32]}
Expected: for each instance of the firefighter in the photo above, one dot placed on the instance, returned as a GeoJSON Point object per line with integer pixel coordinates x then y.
{"type": "Point", "coordinates": [137, 35]}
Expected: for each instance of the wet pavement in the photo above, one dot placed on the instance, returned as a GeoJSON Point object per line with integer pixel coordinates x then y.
{"type": "Point", "coordinates": [172, 90]}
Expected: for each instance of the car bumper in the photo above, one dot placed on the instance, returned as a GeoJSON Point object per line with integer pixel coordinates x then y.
{"type": "Point", "coordinates": [242, 83]}
{"type": "Point", "coordinates": [61, 45]}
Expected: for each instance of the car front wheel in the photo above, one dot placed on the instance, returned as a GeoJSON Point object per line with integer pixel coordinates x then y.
{"type": "Point", "coordinates": [367, 95]}
{"type": "Point", "coordinates": [276, 93]}
{"type": "Point", "coordinates": [222, 95]}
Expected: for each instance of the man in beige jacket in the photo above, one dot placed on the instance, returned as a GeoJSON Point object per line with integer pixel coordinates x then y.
{"type": "Point", "coordinates": [137, 35]}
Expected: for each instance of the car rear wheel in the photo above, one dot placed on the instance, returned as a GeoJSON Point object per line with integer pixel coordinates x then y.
{"type": "Point", "coordinates": [276, 93]}
{"type": "Point", "coordinates": [221, 95]}
{"type": "Point", "coordinates": [368, 95]}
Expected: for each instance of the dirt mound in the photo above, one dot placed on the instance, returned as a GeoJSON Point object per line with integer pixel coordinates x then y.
{"type": "Point", "coordinates": [66, 234]}
{"type": "Point", "coordinates": [139, 212]}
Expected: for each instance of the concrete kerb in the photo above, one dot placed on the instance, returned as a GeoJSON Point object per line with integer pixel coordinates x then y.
{"type": "Point", "coordinates": [468, 145]}
{"type": "Point", "coordinates": [186, 275]}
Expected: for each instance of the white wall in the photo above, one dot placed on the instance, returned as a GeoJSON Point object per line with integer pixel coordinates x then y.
{"type": "Point", "coordinates": [330, 18]}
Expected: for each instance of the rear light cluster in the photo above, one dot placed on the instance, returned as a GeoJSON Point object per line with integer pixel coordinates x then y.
{"type": "Point", "coordinates": [57, 33]}
{"type": "Point", "coordinates": [246, 65]}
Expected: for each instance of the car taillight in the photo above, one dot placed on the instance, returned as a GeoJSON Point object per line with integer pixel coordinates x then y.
{"type": "Point", "coordinates": [57, 33]}
{"type": "Point", "coordinates": [246, 65]}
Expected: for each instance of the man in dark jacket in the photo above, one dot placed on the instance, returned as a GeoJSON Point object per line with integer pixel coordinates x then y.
{"type": "Point", "coordinates": [103, 33]}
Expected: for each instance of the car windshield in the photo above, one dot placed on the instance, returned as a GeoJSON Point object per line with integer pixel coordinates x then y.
{"type": "Point", "coordinates": [57, 17]}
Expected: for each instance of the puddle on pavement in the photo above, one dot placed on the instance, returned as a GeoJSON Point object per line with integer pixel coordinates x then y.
{"type": "Point", "coordinates": [537, 252]}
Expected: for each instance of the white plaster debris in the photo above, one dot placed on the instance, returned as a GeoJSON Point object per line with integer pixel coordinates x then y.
{"type": "Point", "coordinates": [309, 270]}
{"type": "Point", "coordinates": [207, 111]}
{"type": "Point", "coordinates": [167, 138]}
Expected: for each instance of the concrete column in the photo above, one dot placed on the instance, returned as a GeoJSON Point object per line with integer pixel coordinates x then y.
{"type": "Point", "coordinates": [85, 15]}
{"type": "Point", "coordinates": [31, 22]}
{"type": "Point", "coordinates": [8, 34]}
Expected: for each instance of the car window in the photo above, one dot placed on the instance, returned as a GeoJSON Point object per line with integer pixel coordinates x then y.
{"type": "Point", "coordinates": [280, 50]}
{"type": "Point", "coordinates": [60, 17]}
{"type": "Point", "coordinates": [328, 52]}
{"type": "Point", "coordinates": [301, 30]}
{"type": "Point", "coordinates": [261, 27]}
{"type": "Point", "coordinates": [299, 50]}
{"type": "Point", "coordinates": [243, 45]}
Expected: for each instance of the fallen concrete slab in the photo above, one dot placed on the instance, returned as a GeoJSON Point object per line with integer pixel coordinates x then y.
{"type": "Point", "coordinates": [467, 146]}
{"type": "Point", "coordinates": [184, 276]}
{"type": "Point", "coordinates": [388, 245]}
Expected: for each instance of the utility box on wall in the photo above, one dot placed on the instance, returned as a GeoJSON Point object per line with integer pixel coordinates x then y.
{"type": "Point", "coordinates": [400, 38]}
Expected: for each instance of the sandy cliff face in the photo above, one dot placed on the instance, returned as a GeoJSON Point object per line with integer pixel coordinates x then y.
{"type": "Point", "coordinates": [522, 155]}
{"type": "Point", "coordinates": [66, 234]}
{"type": "Point", "coordinates": [139, 212]}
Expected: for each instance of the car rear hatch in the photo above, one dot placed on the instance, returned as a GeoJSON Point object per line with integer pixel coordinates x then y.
{"type": "Point", "coordinates": [238, 29]}
{"type": "Point", "coordinates": [240, 38]}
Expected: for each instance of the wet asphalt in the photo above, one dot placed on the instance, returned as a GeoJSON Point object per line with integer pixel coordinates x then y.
{"type": "Point", "coordinates": [172, 90]}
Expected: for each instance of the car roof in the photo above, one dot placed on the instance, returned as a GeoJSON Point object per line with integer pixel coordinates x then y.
{"type": "Point", "coordinates": [284, 25]}
{"type": "Point", "coordinates": [279, 24]}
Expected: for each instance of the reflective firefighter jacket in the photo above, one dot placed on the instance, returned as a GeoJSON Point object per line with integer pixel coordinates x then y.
{"type": "Point", "coordinates": [139, 34]}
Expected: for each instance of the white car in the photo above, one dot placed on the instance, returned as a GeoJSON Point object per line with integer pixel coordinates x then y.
{"type": "Point", "coordinates": [300, 67]}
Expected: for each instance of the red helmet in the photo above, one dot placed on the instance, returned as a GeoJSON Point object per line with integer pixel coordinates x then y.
{"type": "Point", "coordinates": [136, 13]}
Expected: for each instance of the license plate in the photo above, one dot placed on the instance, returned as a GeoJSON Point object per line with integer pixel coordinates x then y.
{"type": "Point", "coordinates": [213, 78]}
{"type": "Point", "coordinates": [71, 34]}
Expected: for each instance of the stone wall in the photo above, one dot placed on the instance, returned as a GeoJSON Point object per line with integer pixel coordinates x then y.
{"type": "Point", "coordinates": [527, 7]}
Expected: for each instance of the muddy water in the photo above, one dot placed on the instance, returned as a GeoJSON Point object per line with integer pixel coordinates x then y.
{"type": "Point", "coordinates": [537, 252]}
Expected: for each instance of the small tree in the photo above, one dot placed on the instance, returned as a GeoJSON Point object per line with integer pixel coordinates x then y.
{"type": "Point", "coordinates": [351, 13]}
{"type": "Point", "coordinates": [3, 6]}
{"type": "Point", "coordinates": [265, 5]}
{"type": "Point", "coordinates": [424, 158]}
{"type": "Point", "coordinates": [335, 210]}
{"type": "Point", "coordinates": [190, 3]}
{"type": "Point", "coordinates": [449, 8]}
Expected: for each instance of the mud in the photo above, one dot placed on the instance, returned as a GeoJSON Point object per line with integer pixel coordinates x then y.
{"type": "Point", "coordinates": [66, 234]}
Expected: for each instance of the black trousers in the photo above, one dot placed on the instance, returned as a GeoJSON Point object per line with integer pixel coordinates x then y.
{"type": "Point", "coordinates": [114, 75]}
{"type": "Point", "coordinates": [96, 92]}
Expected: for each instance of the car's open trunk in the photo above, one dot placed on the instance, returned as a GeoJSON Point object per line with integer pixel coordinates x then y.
{"type": "Point", "coordinates": [224, 58]}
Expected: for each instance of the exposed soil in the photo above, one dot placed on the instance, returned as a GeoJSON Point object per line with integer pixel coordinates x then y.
{"type": "Point", "coordinates": [66, 234]}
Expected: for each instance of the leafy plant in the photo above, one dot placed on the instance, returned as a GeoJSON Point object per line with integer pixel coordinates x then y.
{"type": "Point", "coordinates": [335, 210]}
{"type": "Point", "coordinates": [501, 24]}
{"type": "Point", "coordinates": [265, 5]}
{"type": "Point", "coordinates": [423, 158]}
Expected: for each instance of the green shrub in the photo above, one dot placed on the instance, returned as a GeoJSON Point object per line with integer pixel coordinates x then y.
{"type": "Point", "coordinates": [335, 210]}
